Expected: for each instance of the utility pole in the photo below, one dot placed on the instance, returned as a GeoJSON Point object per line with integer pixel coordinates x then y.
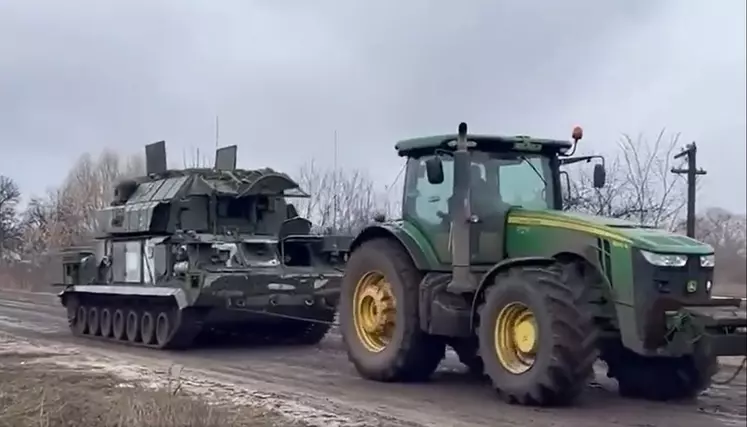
{"type": "Point", "coordinates": [692, 172]}
{"type": "Point", "coordinates": [336, 185]}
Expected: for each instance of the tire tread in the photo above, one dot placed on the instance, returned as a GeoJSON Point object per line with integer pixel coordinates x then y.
{"type": "Point", "coordinates": [574, 348]}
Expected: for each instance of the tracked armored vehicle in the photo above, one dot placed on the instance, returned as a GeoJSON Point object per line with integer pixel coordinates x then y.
{"type": "Point", "coordinates": [487, 260]}
{"type": "Point", "coordinates": [192, 253]}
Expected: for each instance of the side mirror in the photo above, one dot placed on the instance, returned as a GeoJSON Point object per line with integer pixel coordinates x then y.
{"type": "Point", "coordinates": [600, 175]}
{"type": "Point", "coordinates": [434, 169]}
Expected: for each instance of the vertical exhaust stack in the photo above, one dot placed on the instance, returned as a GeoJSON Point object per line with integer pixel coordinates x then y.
{"type": "Point", "coordinates": [155, 158]}
{"type": "Point", "coordinates": [225, 158]}
{"type": "Point", "coordinates": [462, 280]}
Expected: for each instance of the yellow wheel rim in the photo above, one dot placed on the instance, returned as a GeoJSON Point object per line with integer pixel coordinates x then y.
{"type": "Point", "coordinates": [374, 311]}
{"type": "Point", "coordinates": [516, 338]}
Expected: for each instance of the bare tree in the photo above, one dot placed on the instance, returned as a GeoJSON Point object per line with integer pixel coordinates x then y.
{"type": "Point", "coordinates": [640, 186]}
{"type": "Point", "coordinates": [727, 233]}
{"type": "Point", "coordinates": [10, 195]}
{"type": "Point", "coordinates": [67, 215]}
{"type": "Point", "coordinates": [341, 201]}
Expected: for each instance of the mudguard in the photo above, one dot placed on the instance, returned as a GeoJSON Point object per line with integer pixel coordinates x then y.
{"type": "Point", "coordinates": [487, 278]}
{"type": "Point", "coordinates": [420, 253]}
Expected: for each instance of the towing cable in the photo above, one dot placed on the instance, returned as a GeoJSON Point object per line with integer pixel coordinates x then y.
{"type": "Point", "coordinates": [337, 324]}
{"type": "Point", "coordinates": [679, 322]}
{"type": "Point", "coordinates": [734, 375]}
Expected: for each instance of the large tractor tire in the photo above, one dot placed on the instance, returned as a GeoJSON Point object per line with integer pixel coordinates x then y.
{"type": "Point", "coordinates": [379, 315]}
{"type": "Point", "coordinates": [661, 378]}
{"type": "Point", "coordinates": [532, 337]}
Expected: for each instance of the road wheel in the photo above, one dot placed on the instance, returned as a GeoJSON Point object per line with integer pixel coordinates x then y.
{"type": "Point", "coordinates": [93, 321]}
{"type": "Point", "coordinates": [105, 322]}
{"type": "Point", "coordinates": [132, 326]}
{"type": "Point", "coordinates": [379, 315]}
{"type": "Point", "coordinates": [531, 339]}
{"type": "Point", "coordinates": [163, 329]}
{"type": "Point", "coordinates": [147, 328]}
{"type": "Point", "coordinates": [80, 325]}
{"type": "Point", "coordinates": [661, 378]}
{"type": "Point", "coordinates": [118, 324]}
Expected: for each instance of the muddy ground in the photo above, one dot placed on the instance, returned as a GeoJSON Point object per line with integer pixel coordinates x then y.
{"type": "Point", "coordinates": [730, 289]}
{"type": "Point", "coordinates": [40, 387]}
{"type": "Point", "coordinates": [318, 386]}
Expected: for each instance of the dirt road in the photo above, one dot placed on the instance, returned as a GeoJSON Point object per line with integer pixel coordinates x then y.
{"type": "Point", "coordinates": [321, 386]}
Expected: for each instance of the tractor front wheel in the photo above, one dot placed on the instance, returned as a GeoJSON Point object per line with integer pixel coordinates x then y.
{"type": "Point", "coordinates": [531, 337]}
{"type": "Point", "coordinates": [379, 318]}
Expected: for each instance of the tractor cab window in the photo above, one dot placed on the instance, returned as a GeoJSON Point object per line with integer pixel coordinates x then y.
{"type": "Point", "coordinates": [524, 182]}
{"type": "Point", "coordinates": [429, 202]}
{"type": "Point", "coordinates": [500, 180]}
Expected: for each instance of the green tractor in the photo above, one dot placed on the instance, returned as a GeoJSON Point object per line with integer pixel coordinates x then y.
{"type": "Point", "coordinates": [486, 260]}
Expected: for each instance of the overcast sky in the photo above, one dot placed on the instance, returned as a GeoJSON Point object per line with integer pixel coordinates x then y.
{"type": "Point", "coordinates": [78, 76]}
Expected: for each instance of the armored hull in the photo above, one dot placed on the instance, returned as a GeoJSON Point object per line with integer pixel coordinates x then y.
{"type": "Point", "coordinates": [288, 305]}
{"type": "Point", "coordinates": [184, 254]}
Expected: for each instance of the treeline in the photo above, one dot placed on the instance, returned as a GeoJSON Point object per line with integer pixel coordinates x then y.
{"type": "Point", "coordinates": [640, 187]}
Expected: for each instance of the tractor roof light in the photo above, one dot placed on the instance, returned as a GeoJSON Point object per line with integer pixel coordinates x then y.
{"type": "Point", "coordinates": [578, 133]}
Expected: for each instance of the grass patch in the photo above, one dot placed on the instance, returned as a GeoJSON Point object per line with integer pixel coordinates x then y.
{"type": "Point", "coordinates": [42, 394]}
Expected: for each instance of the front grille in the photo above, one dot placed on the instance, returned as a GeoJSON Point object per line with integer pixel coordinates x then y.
{"type": "Point", "coordinates": [672, 281]}
{"type": "Point", "coordinates": [687, 281]}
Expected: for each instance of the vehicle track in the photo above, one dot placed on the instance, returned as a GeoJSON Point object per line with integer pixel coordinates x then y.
{"type": "Point", "coordinates": [321, 377]}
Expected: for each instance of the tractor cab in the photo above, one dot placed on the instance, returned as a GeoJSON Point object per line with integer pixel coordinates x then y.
{"type": "Point", "coordinates": [473, 187]}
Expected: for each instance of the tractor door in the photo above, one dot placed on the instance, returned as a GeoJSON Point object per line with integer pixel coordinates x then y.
{"type": "Point", "coordinates": [500, 181]}
{"type": "Point", "coordinates": [426, 205]}
{"type": "Point", "coordinates": [486, 203]}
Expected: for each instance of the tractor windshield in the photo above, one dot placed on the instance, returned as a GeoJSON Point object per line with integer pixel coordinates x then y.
{"type": "Point", "coordinates": [517, 180]}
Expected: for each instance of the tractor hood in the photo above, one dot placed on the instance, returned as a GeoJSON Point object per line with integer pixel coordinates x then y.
{"type": "Point", "coordinates": [640, 236]}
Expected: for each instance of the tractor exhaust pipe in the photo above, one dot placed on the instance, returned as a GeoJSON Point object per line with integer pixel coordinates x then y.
{"type": "Point", "coordinates": [462, 280]}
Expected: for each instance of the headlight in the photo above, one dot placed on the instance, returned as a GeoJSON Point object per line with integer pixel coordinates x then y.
{"type": "Point", "coordinates": [665, 260]}
{"type": "Point", "coordinates": [708, 261]}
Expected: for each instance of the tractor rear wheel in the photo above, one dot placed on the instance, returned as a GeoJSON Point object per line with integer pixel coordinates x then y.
{"type": "Point", "coordinates": [661, 378]}
{"type": "Point", "coordinates": [532, 341]}
{"type": "Point", "coordinates": [379, 317]}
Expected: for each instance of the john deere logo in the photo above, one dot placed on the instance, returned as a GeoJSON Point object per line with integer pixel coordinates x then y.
{"type": "Point", "coordinates": [692, 286]}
